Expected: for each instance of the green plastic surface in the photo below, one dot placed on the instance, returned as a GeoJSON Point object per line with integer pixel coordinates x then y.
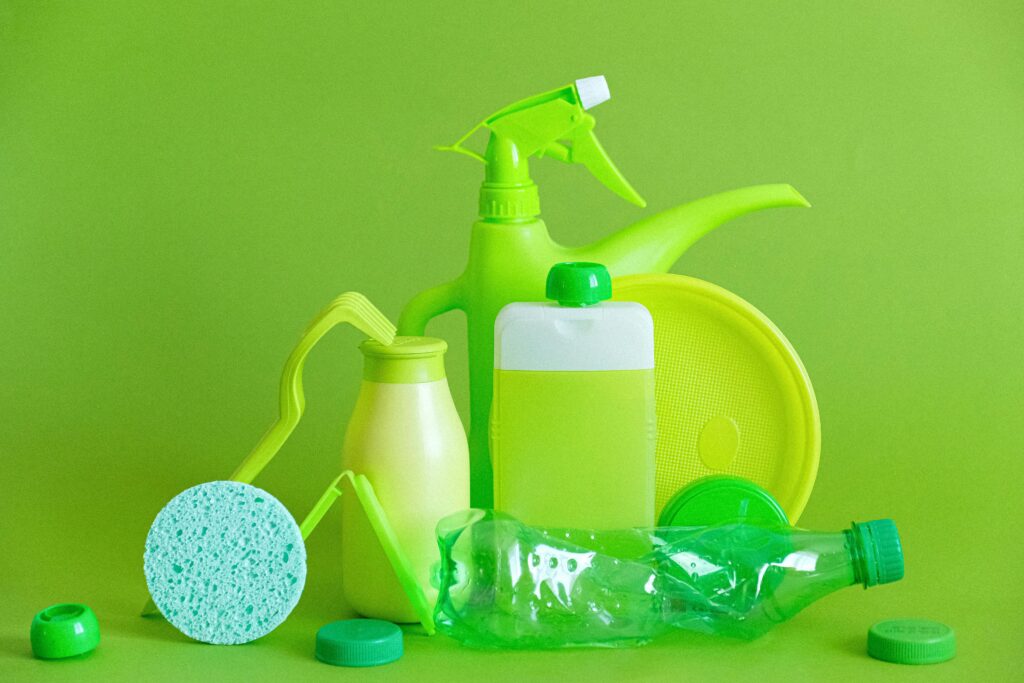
{"type": "Point", "coordinates": [359, 642]}
{"type": "Point", "coordinates": [733, 397]}
{"type": "Point", "coordinates": [64, 630]}
{"type": "Point", "coordinates": [184, 184]}
{"type": "Point", "coordinates": [578, 284]}
{"type": "Point", "coordinates": [911, 641]}
{"type": "Point", "coordinates": [718, 499]}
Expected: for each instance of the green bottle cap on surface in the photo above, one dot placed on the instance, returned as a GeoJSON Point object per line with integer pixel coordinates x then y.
{"type": "Point", "coordinates": [64, 630]}
{"type": "Point", "coordinates": [579, 283]}
{"type": "Point", "coordinates": [719, 499]}
{"type": "Point", "coordinates": [878, 554]}
{"type": "Point", "coordinates": [911, 641]}
{"type": "Point", "coordinates": [359, 642]}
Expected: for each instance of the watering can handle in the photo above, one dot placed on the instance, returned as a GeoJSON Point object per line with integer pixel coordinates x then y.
{"type": "Point", "coordinates": [352, 308]}
{"type": "Point", "coordinates": [430, 304]}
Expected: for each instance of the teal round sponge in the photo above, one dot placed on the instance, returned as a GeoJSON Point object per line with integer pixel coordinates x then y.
{"type": "Point", "coordinates": [225, 562]}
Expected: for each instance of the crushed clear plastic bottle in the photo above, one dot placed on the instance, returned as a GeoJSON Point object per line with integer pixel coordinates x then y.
{"type": "Point", "coordinates": [506, 585]}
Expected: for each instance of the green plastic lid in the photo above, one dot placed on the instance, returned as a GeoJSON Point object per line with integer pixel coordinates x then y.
{"type": "Point", "coordinates": [64, 630]}
{"type": "Point", "coordinates": [359, 642]}
{"type": "Point", "coordinates": [911, 641]}
{"type": "Point", "coordinates": [717, 499]}
{"type": "Point", "coordinates": [878, 553]}
{"type": "Point", "coordinates": [579, 283]}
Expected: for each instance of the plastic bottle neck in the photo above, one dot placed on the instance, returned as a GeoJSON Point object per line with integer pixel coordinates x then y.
{"type": "Point", "coordinates": [408, 360]}
{"type": "Point", "coordinates": [507, 193]}
{"type": "Point", "coordinates": [875, 551]}
{"type": "Point", "coordinates": [857, 558]}
{"type": "Point", "coordinates": [403, 370]}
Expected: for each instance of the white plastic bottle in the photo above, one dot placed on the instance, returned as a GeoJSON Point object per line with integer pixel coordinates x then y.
{"type": "Point", "coordinates": [406, 437]}
{"type": "Point", "coordinates": [572, 420]}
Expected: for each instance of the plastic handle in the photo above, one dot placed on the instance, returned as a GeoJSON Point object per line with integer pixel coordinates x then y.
{"type": "Point", "coordinates": [430, 304]}
{"type": "Point", "coordinates": [352, 308]}
{"type": "Point", "coordinates": [587, 150]}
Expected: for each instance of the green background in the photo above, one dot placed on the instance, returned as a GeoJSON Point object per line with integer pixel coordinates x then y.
{"type": "Point", "coordinates": [184, 185]}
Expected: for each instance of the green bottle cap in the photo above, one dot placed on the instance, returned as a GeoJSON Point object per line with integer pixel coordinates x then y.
{"type": "Point", "coordinates": [579, 283]}
{"type": "Point", "coordinates": [878, 554]}
{"type": "Point", "coordinates": [911, 641]}
{"type": "Point", "coordinates": [718, 499]}
{"type": "Point", "coordinates": [359, 642]}
{"type": "Point", "coordinates": [64, 630]}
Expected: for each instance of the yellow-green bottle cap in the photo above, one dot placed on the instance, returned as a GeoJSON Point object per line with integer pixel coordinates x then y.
{"type": "Point", "coordinates": [64, 630]}
{"type": "Point", "coordinates": [407, 360]}
{"type": "Point", "coordinates": [911, 641]}
{"type": "Point", "coordinates": [359, 642]}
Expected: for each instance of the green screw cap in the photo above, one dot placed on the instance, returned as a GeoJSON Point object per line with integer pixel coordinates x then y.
{"type": "Point", "coordinates": [64, 630]}
{"type": "Point", "coordinates": [878, 552]}
{"type": "Point", "coordinates": [579, 284]}
{"type": "Point", "coordinates": [911, 641]}
{"type": "Point", "coordinates": [359, 642]}
{"type": "Point", "coordinates": [719, 499]}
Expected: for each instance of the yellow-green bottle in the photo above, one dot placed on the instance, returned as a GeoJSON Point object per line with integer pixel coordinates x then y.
{"type": "Point", "coordinates": [406, 437]}
{"type": "Point", "coordinates": [572, 428]}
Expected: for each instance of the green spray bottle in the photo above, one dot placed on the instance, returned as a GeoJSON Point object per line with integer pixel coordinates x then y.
{"type": "Point", "coordinates": [511, 250]}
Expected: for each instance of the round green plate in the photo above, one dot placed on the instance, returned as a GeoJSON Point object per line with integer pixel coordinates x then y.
{"type": "Point", "coordinates": [732, 395]}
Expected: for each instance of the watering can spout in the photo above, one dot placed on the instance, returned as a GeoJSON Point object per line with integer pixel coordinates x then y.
{"type": "Point", "coordinates": [654, 244]}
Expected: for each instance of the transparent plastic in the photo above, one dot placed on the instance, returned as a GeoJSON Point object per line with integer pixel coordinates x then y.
{"type": "Point", "coordinates": [507, 585]}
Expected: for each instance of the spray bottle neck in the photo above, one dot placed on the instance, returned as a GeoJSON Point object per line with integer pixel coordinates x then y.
{"type": "Point", "coordinates": [507, 193]}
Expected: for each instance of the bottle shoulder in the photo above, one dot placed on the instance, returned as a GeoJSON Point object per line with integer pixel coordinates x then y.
{"type": "Point", "coordinates": [613, 335]}
{"type": "Point", "coordinates": [551, 310]}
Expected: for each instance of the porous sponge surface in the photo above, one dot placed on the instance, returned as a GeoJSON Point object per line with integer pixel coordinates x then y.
{"type": "Point", "coordinates": [225, 562]}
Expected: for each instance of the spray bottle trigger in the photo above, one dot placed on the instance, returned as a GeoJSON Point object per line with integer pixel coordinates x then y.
{"type": "Point", "coordinates": [554, 124]}
{"type": "Point", "coordinates": [459, 149]}
{"type": "Point", "coordinates": [587, 150]}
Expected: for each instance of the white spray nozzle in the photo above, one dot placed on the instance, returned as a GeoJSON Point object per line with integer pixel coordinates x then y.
{"type": "Point", "coordinates": [593, 91]}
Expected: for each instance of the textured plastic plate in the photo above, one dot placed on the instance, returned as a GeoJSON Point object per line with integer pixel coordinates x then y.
{"type": "Point", "coordinates": [732, 395]}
